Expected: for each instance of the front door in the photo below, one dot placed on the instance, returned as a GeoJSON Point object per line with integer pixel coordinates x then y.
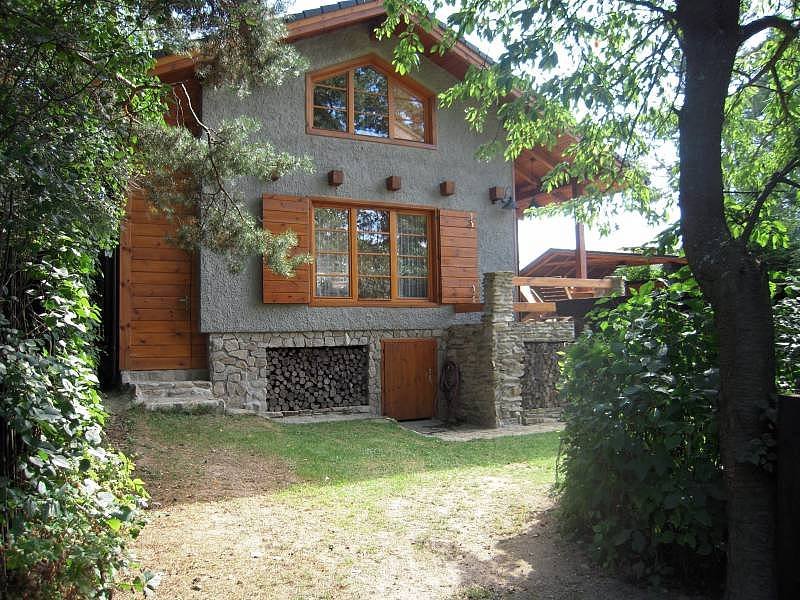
{"type": "Point", "coordinates": [158, 297]}
{"type": "Point", "coordinates": [409, 378]}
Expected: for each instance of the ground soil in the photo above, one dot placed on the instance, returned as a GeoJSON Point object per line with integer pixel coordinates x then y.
{"type": "Point", "coordinates": [230, 525]}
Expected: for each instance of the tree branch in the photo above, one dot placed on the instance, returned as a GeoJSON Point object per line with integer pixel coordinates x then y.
{"type": "Point", "coordinates": [776, 178]}
{"type": "Point", "coordinates": [669, 14]}
{"type": "Point", "coordinates": [770, 22]}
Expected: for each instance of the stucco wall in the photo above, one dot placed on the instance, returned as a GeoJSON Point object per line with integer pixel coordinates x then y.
{"type": "Point", "coordinates": [231, 303]}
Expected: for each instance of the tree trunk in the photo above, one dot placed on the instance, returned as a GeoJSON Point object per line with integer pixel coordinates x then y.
{"type": "Point", "coordinates": [735, 283]}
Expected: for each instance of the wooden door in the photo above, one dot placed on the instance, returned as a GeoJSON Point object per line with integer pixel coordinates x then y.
{"type": "Point", "coordinates": [159, 297]}
{"type": "Point", "coordinates": [409, 378]}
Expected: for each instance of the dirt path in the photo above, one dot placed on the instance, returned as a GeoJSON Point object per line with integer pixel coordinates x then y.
{"type": "Point", "coordinates": [231, 525]}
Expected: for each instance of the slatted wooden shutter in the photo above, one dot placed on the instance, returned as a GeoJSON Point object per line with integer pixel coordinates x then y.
{"type": "Point", "coordinates": [458, 263]}
{"type": "Point", "coordinates": [281, 213]}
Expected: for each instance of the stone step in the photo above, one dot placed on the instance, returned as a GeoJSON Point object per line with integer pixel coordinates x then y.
{"type": "Point", "coordinates": [173, 385]}
{"type": "Point", "coordinates": [536, 416]}
{"type": "Point", "coordinates": [186, 405]}
{"type": "Point", "coordinates": [191, 396]}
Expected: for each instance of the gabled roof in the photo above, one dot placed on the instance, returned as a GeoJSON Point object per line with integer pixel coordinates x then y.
{"type": "Point", "coordinates": [559, 262]}
{"type": "Point", "coordinates": [529, 167]}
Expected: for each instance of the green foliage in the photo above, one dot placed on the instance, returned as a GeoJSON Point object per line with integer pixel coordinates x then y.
{"type": "Point", "coordinates": [81, 120]}
{"type": "Point", "coordinates": [209, 165]}
{"type": "Point", "coordinates": [639, 471]}
{"type": "Point", "coordinates": [69, 503]}
{"type": "Point", "coordinates": [787, 336]}
{"type": "Point", "coordinates": [609, 73]}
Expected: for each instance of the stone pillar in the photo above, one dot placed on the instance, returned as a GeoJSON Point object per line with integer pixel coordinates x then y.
{"type": "Point", "coordinates": [498, 294]}
{"type": "Point", "coordinates": [506, 352]}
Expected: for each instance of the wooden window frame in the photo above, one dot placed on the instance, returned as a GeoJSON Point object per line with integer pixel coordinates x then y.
{"type": "Point", "coordinates": [380, 65]}
{"type": "Point", "coordinates": [393, 209]}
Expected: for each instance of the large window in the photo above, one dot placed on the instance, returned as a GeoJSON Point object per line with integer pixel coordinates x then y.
{"type": "Point", "coordinates": [364, 100]}
{"type": "Point", "coordinates": [364, 254]}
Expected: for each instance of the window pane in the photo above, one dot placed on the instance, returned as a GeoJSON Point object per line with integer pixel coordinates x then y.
{"type": "Point", "coordinates": [372, 220]}
{"type": "Point", "coordinates": [374, 287]}
{"type": "Point", "coordinates": [372, 103]}
{"type": "Point", "coordinates": [408, 105]}
{"type": "Point", "coordinates": [369, 264]}
{"type": "Point", "coordinates": [372, 124]}
{"type": "Point", "coordinates": [333, 287]}
{"type": "Point", "coordinates": [409, 115]}
{"type": "Point", "coordinates": [338, 241]}
{"type": "Point", "coordinates": [375, 243]}
{"type": "Point", "coordinates": [409, 130]}
{"type": "Point", "coordinates": [416, 267]}
{"type": "Point", "coordinates": [330, 98]}
{"type": "Point", "coordinates": [333, 264]}
{"type": "Point", "coordinates": [368, 79]}
{"type": "Point", "coordinates": [412, 245]}
{"type": "Point", "coordinates": [332, 218]}
{"type": "Point", "coordinates": [412, 224]}
{"type": "Point", "coordinates": [413, 288]}
{"type": "Point", "coordinates": [332, 120]}
{"type": "Point", "coordinates": [339, 81]}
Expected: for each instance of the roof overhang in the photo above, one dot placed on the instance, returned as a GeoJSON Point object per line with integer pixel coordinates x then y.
{"type": "Point", "coordinates": [559, 262]}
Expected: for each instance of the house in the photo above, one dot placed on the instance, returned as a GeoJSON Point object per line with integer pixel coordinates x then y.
{"type": "Point", "coordinates": [405, 226]}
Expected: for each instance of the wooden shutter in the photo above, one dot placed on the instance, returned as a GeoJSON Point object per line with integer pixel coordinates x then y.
{"type": "Point", "coordinates": [458, 262]}
{"type": "Point", "coordinates": [281, 213]}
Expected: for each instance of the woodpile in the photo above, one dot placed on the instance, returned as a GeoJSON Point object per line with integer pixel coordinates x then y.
{"type": "Point", "coordinates": [541, 374]}
{"type": "Point", "coordinates": [315, 378]}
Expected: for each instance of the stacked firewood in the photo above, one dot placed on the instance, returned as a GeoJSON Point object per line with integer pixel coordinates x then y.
{"type": "Point", "coordinates": [316, 378]}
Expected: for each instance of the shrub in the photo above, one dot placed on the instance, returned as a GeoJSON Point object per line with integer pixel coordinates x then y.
{"type": "Point", "coordinates": [70, 504]}
{"type": "Point", "coordinates": [787, 336]}
{"type": "Point", "coordinates": [639, 469]}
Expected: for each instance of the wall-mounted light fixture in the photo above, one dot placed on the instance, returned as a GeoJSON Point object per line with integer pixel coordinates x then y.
{"type": "Point", "coordinates": [335, 178]}
{"type": "Point", "coordinates": [447, 188]}
{"type": "Point", "coordinates": [496, 193]}
{"type": "Point", "coordinates": [503, 195]}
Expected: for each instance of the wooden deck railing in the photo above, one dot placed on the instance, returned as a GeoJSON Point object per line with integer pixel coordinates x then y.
{"type": "Point", "coordinates": [538, 300]}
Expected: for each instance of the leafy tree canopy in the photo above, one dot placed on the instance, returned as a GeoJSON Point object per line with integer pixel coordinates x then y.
{"type": "Point", "coordinates": [611, 73]}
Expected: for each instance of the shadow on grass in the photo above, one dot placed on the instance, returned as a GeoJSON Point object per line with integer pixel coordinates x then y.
{"type": "Point", "coordinates": [209, 457]}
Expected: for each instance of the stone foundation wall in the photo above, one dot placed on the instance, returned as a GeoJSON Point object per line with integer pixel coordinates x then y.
{"type": "Point", "coordinates": [241, 370]}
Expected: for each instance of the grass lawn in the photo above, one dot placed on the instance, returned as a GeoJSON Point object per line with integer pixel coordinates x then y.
{"type": "Point", "coordinates": [246, 508]}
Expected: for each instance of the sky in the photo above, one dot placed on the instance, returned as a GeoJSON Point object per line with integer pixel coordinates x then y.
{"type": "Point", "coordinates": [539, 234]}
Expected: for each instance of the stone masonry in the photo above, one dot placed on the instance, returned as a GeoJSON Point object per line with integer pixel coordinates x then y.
{"type": "Point", "coordinates": [239, 371]}
{"type": "Point", "coordinates": [491, 356]}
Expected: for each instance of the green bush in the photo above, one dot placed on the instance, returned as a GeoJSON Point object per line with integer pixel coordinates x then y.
{"type": "Point", "coordinates": [787, 336]}
{"type": "Point", "coordinates": [70, 504]}
{"type": "Point", "coordinates": [639, 471]}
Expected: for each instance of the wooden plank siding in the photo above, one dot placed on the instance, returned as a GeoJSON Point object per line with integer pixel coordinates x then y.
{"type": "Point", "coordinates": [458, 257]}
{"type": "Point", "coordinates": [284, 213]}
{"type": "Point", "coordinates": [159, 296]}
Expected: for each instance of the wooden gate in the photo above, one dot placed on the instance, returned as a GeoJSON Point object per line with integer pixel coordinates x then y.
{"type": "Point", "coordinates": [409, 378]}
{"type": "Point", "coordinates": [159, 299]}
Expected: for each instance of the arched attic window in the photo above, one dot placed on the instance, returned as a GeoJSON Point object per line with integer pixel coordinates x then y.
{"type": "Point", "coordinates": [365, 99]}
